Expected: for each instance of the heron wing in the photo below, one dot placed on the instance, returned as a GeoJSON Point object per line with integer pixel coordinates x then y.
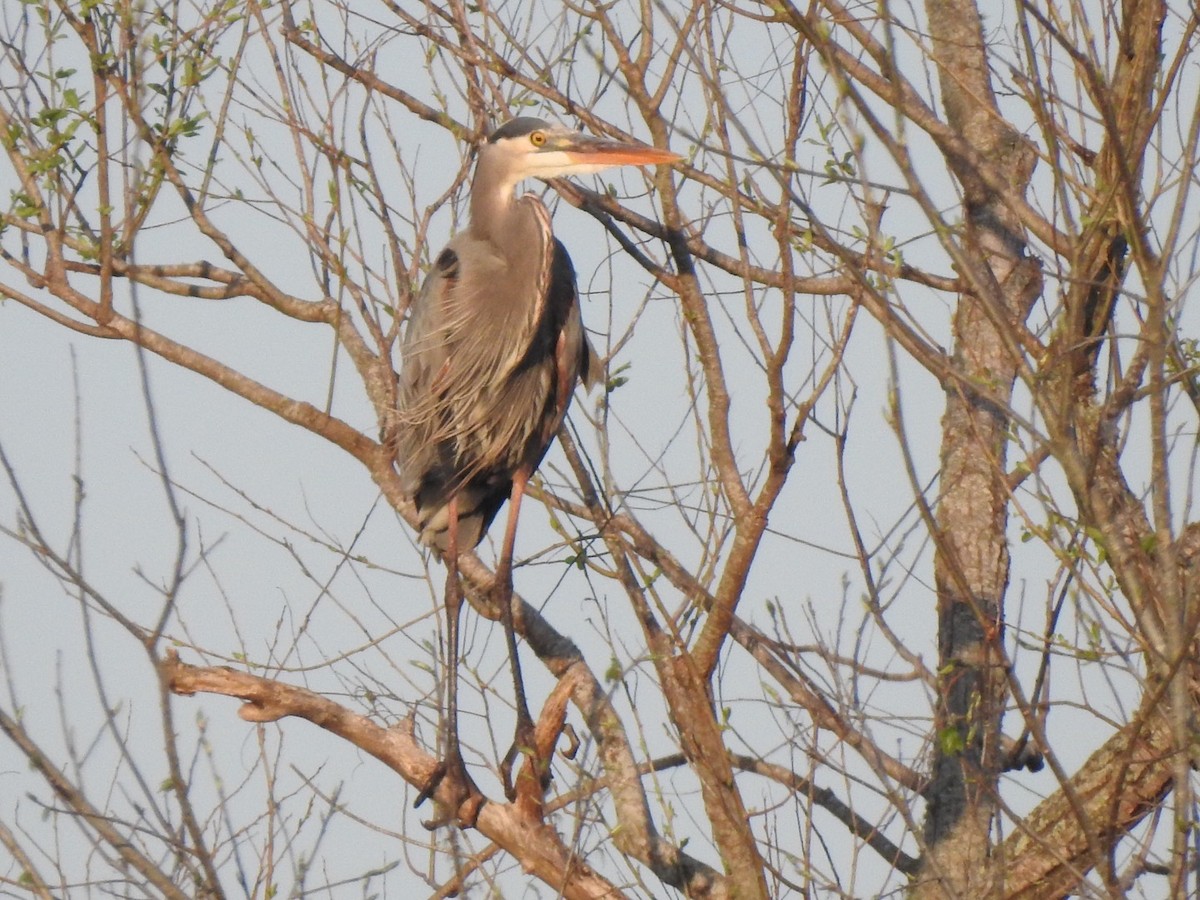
{"type": "Point", "coordinates": [493, 349]}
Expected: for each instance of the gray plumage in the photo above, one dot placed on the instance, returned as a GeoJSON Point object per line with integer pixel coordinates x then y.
{"type": "Point", "coordinates": [492, 352]}
{"type": "Point", "coordinates": [495, 346]}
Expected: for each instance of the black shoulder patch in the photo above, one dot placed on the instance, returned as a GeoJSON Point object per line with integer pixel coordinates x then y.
{"type": "Point", "coordinates": [447, 263]}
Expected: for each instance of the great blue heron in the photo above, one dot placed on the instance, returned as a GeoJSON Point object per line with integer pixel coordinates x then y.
{"type": "Point", "coordinates": [492, 353]}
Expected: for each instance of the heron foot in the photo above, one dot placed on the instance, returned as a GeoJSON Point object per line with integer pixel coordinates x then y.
{"type": "Point", "coordinates": [534, 776]}
{"type": "Point", "coordinates": [461, 801]}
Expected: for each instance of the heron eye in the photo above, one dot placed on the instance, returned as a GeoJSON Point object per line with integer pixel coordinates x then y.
{"type": "Point", "coordinates": [538, 138]}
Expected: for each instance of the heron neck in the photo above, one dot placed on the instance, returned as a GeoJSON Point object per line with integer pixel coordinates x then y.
{"type": "Point", "coordinates": [493, 204]}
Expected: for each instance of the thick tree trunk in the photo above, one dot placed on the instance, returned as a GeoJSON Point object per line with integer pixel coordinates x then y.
{"type": "Point", "coordinates": [972, 561]}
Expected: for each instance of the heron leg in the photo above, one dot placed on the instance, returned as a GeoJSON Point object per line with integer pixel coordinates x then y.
{"type": "Point", "coordinates": [465, 798]}
{"type": "Point", "coordinates": [525, 739]}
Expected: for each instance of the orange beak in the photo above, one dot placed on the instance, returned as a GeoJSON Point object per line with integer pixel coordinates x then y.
{"type": "Point", "coordinates": [587, 150]}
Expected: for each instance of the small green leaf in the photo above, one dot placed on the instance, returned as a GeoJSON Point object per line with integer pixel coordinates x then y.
{"type": "Point", "coordinates": [951, 741]}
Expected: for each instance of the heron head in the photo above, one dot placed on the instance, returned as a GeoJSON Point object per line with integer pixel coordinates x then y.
{"type": "Point", "coordinates": [530, 148]}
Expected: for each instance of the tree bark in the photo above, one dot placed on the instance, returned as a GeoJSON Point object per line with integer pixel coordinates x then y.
{"type": "Point", "coordinates": [972, 560]}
